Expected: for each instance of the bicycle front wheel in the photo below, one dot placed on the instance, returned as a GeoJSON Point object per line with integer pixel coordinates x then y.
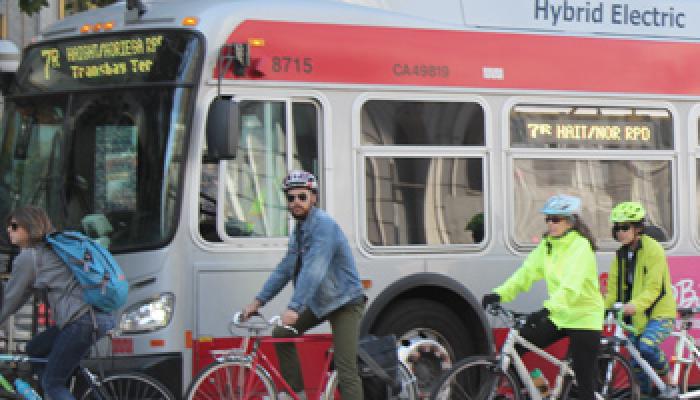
{"type": "Point", "coordinates": [232, 380]}
{"type": "Point", "coordinates": [409, 390]}
{"type": "Point", "coordinates": [479, 378]}
{"type": "Point", "coordinates": [614, 380]}
{"type": "Point", "coordinates": [128, 386]}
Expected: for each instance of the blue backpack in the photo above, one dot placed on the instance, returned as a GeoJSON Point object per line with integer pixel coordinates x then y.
{"type": "Point", "coordinates": [103, 281]}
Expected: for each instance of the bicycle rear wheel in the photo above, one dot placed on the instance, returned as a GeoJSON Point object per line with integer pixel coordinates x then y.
{"type": "Point", "coordinates": [478, 377]}
{"type": "Point", "coordinates": [129, 386]}
{"type": "Point", "coordinates": [231, 380]}
{"type": "Point", "coordinates": [409, 389]}
{"type": "Point", "coordinates": [614, 380]}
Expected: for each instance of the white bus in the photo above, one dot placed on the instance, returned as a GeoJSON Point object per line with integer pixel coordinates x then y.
{"type": "Point", "coordinates": [163, 129]}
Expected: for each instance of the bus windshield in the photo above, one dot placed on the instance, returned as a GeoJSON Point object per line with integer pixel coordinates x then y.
{"type": "Point", "coordinates": [107, 163]}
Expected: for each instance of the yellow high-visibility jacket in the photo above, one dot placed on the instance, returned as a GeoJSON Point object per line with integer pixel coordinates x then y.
{"type": "Point", "coordinates": [568, 266]}
{"type": "Point", "coordinates": [652, 293]}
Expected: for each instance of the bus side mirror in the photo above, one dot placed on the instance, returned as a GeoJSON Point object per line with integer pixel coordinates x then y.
{"type": "Point", "coordinates": [9, 62]}
{"type": "Point", "coordinates": [223, 129]}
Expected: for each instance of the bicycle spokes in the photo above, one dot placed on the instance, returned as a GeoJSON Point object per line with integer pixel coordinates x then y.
{"type": "Point", "coordinates": [615, 378]}
{"type": "Point", "coordinates": [479, 382]}
{"type": "Point", "coordinates": [230, 381]}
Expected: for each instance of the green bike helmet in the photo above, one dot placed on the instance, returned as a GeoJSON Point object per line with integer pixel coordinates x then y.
{"type": "Point", "coordinates": [629, 211]}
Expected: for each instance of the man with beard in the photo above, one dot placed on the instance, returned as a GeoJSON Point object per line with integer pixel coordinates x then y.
{"type": "Point", "coordinates": [327, 287]}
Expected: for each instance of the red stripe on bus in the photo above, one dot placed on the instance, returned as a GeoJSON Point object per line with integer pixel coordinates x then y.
{"type": "Point", "coordinates": [324, 53]}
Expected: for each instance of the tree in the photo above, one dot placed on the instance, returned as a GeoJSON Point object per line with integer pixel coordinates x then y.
{"type": "Point", "coordinates": [33, 6]}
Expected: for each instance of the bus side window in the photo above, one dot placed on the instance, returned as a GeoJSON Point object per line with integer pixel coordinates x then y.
{"type": "Point", "coordinates": [253, 203]}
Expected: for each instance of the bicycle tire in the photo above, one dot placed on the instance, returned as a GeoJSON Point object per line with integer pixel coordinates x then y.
{"type": "Point", "coordinates": [476, 377]}
{"type": "Point", "coordinates": [615, 379]}
{"type": "Point", "coordinates": [222, 381]}
{"type": "Point", "coordinates": [409, 389]}
{"type": "Point", "coordinates": [132, 385]}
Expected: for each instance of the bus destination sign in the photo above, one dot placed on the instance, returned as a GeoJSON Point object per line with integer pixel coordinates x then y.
{"type": "Point", "coordinates": [103, 57]}
{"type": "Point", "coordinates": [636, 134]}
{"type": "Point", "coordinates": [118, 59]}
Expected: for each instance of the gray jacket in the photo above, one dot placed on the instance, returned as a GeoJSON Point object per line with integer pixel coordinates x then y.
{"type": "Point", "coordinates": [40, 268]}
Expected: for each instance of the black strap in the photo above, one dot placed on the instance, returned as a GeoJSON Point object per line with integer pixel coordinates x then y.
{"type": "Point", "coordinates": [297, 266]}
{"type": "Point", "coordinates": [364, 356]}
{"type": "Point", "coordinates": [623, 296]}
{"type": "Point", "coordinates": [620, 273]}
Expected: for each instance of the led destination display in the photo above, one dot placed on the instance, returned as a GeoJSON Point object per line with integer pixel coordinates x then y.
{"type": "Point", "coordinates": [591, 127]}
{"type": "Point", "coordinates": [590, 131]}
{"type": "Point", "coordinates": [118, 59]}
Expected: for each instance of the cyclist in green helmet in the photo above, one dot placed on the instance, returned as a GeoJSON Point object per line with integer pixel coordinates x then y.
{"type": "Point", "coordinates": [639, 278]}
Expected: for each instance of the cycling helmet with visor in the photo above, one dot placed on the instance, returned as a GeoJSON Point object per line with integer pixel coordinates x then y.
{"type": "Point", "coordinates": [629, 211]}
{"type": "Point", "coordinates": [299, 179]}
{"type": "Point", "coordinates": [562, 204]}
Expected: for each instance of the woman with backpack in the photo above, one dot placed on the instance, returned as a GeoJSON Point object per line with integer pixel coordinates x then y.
{"type": "Point", "coordinates": [78, 325]}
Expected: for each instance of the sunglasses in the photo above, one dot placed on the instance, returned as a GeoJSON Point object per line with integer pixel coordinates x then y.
{"type": "Point", "coordinates": [555, 219]}
{"type": "Point", "coordinates": [621, 227]}
{"type": "Point", "coordinates": [301, 196]}
{"type": "Point", "coordinates": [13, 226]}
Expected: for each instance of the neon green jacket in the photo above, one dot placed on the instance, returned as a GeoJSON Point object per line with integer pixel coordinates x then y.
{"type": "Point", "coordinates": [568, 266]}
{"type": "Point", "coordinates": [651, 278]}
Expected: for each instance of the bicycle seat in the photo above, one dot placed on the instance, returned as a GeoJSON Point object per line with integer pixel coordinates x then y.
{"type": "Point", "coordinates": [688, 312]}
{"type": "Point", "coordinates": [612, 340]}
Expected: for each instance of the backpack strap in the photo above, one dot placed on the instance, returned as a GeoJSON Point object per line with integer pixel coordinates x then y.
{"type": "Point", "coordinates": [375, 367]}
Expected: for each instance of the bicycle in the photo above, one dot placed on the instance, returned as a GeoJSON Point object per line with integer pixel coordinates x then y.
{"type": "Point", "coordinates": [246, 373]}
{"type": "Point", "coordinates": [118, 386]}
{"type": "Point", "coordinates": [490, 377]}
{"type": "Point", "coordinates": [685, 355]}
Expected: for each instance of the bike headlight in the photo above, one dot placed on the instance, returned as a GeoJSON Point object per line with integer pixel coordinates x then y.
{"type": "Point", "coordinates": [148, 315]}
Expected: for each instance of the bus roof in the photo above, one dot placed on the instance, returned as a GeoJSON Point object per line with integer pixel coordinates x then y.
{"type": "Point", "coordinates": [648, 19]}
{"type": "Point", "coordinates": [323, 41]}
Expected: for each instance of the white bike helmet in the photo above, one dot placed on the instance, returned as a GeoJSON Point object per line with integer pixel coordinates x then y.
{"type": "Point", "coordinates": [299, 179]}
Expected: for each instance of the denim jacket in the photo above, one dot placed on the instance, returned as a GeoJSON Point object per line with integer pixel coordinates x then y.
{"type": "Point", "coordinates": [328, 278]}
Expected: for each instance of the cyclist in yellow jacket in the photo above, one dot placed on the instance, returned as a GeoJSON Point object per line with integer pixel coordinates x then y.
{"type": "Point", "coordinates": [565, 259]}
{"type": "Point", "coordinates": [639, 278]}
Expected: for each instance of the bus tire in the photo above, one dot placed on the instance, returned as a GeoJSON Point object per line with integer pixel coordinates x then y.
{"type": "Point", "coordinates": [423, 318]}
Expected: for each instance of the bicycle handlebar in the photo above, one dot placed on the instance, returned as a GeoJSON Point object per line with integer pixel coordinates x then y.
{"type": "Point", "coordinates": [509, 317]}
{"type": "Point", "coordinates": [259, 323]}
{"type": "Point", "coordinates": [686, 312]}
{"type": "Point", "coordinates": [616, 315]}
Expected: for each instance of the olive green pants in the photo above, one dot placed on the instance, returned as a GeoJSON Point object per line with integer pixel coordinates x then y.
{"type": "Point", "coordinates": [345, 326]}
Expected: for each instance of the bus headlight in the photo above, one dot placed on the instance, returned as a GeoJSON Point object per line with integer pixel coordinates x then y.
{"type": "Point", "coordinates": [148, 315]}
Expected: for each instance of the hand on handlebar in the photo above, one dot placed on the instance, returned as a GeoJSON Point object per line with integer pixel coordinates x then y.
{"type": "Point", "coordinates": [250, 310]}
{"type": "Point", "coordinates": [489, 299]}
{"type": "Point", "coordinates": [289, 317]}
{"type": "Point", "coordinates": [629, 309]}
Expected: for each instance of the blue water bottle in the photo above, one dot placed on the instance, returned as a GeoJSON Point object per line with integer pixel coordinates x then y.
{"type": "Point", "coordinates": [25, 390]}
